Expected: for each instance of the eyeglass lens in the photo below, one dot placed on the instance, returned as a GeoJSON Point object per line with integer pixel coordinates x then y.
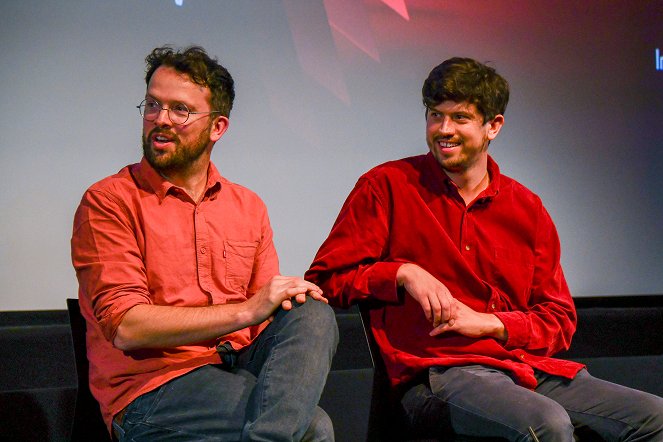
{"type": "Point", "coordinates": [150, 110]}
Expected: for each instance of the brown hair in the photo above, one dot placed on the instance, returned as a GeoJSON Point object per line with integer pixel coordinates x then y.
{"type": "Point", "coordinates": [201, 69]}
{"type": "Point", "coordinates": [464, 79]}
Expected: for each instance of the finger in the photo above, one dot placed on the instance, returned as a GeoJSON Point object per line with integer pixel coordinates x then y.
{"type": "Point", "coordinates": [297, 281]}
{"type": "Point", "coordinates": [436, 310]}
{"type": "Point", "coordinates": [300, 298]}
{"type": "Point", "coordinates": [446, 304]}
{"type": "Point", "coordinates": [294, 291]}
{"type": "Point", "coordinates": [425, 306]}
{"type": "Point", "coordinates": [453, 311]}
{"type": "Point", "coordinates": [313, 288]}
{"type": "Point", "coordinates": [440, 329]}
{"type": "Point", "coordinates": [318, 296]}
{"type": "Point", "coordinates": [286, 304]}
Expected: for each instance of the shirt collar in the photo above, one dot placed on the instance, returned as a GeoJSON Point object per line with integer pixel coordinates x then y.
{"type": "Point", "coordinates": [494, 173]}
{"type": "Point", "coordinates": [145, 173]}
{"type": "Point", "coordinates": [440, 182]}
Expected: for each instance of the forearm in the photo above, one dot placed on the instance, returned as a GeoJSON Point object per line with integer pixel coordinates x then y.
{"type": "Point", "coordinates": [155, 326]}
{"type": "Point", "coordinates": [495, 328]}
{"type": "Point", "coordinates": [543, 329]}
{"type": "Point", "coordinates": [544, 322]}
{"type": "Point", "coordinates": [376, 281]}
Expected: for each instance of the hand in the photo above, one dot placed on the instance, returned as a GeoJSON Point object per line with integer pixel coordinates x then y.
{"type": "Point", "coordinates": [473, 324]}
{"type": "Point", "coordinates": [315, 293]}
{"type": "Point", "coordinates": [433, 296]}
{"type": "Point", "coordinates": [279, 291]}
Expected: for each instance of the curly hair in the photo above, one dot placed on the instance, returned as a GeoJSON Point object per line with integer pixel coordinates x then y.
{"type": "Point", "coordinates": [201, 69]}
{"type": "Point", "coordinates": [464, 79]}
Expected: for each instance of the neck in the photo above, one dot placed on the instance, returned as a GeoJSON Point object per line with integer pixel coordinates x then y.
{"type": "Point", "coordinates": [471, 182]}
{"type": "Point", "coordinates": [193, 179]}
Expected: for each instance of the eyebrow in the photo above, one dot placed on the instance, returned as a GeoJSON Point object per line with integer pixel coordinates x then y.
{"type": "Point", "coordinates": [171, 102]}
{"type": "Point", "coordinates": [463, 112]}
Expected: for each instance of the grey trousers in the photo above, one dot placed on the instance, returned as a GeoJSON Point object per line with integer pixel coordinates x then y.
{"type": "Point", "coordinates": [479, 401]}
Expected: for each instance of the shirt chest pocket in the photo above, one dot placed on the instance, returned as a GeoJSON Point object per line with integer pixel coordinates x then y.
{"type": "Point", "coordinates": [239, 256]}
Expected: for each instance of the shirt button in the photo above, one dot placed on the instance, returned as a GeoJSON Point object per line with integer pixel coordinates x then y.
{"type": "Point", "coordinates": [203, 250]}
{"type": "Point", "coordinates": [467, 247]}
{"type": "Point", "coordinates": [522, 356]}
{"type": "Point", "coordinates": [492, 306]}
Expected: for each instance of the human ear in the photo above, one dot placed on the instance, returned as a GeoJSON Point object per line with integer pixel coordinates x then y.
{"type": "Point", "coordinates": [494, 126]}
{"type": "Point", "coordinates": [219, 127]}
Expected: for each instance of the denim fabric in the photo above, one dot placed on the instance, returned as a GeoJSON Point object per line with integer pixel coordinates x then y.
{"type": "Point", "coordinates": [480, 401]}
{"type": "Point", "coordinates": [270, 394]}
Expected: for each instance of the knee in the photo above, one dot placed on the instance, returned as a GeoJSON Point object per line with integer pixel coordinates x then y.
{"type": "Point", "coordinates": [321, 428]}
{"type": "Point", "coordinates": [316, 320]}
{"type": "Point", "coordinates": [318, 311]}
{"type": "Point", "coordinates": [319, 316]}
{"type": "Point", "coordinates": [651, 416]}
{"type": "Point", "coordinates": [421, 413]}
{"type": "Point", "coordinates": [551, 423]}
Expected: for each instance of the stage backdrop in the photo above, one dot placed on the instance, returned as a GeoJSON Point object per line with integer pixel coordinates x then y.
{"type": "Point", "coordinates": [325, 91]}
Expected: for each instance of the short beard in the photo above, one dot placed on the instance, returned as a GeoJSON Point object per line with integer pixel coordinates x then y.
{"type": "Point", "coordinates": [458, 165]}
{"type": "Point", "coordinates": [179, 160]}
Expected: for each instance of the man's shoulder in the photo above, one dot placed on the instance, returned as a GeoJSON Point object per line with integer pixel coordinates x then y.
{"type": "Point", "coordinates": [240, 190]}
{"type": "Point", "coordinates": [519, 191]}
{"type": "Point", "coordinates": [239, 194]}
{"type": "Point", "coordinates": [396, 169]}
{"type": "Point", "coordinates": [119, 182]}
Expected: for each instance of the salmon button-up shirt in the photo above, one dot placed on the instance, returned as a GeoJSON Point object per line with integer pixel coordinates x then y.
{"type": "Point", "coordinates": [139, 239]}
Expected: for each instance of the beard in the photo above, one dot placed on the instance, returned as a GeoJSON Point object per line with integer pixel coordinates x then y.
{"type": "Point", "coordinates": [461, 162]}
{"type": "Point", "coordinates": [184, 155]}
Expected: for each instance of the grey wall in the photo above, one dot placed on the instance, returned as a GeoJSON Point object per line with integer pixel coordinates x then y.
{"type": "Point", "coordinates": [326, 90]}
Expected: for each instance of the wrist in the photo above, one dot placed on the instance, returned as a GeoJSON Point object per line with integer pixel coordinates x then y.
{"type": "Point", "coordinates": [403, 273]}
{"type": "Point", "coordinates": [244, 314]}
{"type": "Point", "coordinates": [498, 330]}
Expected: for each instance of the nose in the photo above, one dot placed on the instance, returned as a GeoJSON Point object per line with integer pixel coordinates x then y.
{"type": "Point", "coordinates": [446, 126]}
{"type": "Point", "coordinates": [162, 119]}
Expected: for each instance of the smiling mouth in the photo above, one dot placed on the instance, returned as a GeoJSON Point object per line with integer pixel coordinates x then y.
{"type": "Point", "coordinates": [446, 145]}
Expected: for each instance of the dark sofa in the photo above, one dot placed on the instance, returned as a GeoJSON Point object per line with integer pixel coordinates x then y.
{"type": "Point", "coordinates": [619, 338]}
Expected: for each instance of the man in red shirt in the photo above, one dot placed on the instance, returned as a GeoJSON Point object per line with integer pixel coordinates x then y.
{"type": "Point", "coordinates": [461, 266]}
{"type": "Point", "coordinates": [192, 332]}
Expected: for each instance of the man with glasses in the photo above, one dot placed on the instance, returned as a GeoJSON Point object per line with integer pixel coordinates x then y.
{"type": "Point", "coordinates": [192, 332]}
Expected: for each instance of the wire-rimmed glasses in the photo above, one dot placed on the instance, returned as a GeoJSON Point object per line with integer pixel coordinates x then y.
{"type": "Point", "coordinates": [150, 109]}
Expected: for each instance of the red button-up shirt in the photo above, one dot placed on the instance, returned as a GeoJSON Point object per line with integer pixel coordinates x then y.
{"type": "Point", "coordinates": [500, 254]}
{"type": "Point", "coordinates": [138, 239]}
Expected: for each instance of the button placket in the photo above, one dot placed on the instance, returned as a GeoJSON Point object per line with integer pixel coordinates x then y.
{"type": "Point", "coordinates": [204, 255]}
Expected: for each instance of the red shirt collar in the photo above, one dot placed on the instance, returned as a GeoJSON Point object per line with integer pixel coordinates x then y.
{"type": "Point", "coordinates": [441, 182]}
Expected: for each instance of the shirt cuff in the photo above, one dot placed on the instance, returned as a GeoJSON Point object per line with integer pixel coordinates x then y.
{"type": "Point", "coordinates": [382, 281]}
{"type": "Point", "coordinates": [114, 314]}
{"type": "Point", "coordinates": [516, 327]}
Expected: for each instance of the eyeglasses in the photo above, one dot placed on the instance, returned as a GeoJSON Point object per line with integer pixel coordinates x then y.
{"type": "Point", "coordinates": [179, 114]}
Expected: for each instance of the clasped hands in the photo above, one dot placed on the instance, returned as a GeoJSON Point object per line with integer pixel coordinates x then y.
{"type": "Point", "coordinates": [444, 311]}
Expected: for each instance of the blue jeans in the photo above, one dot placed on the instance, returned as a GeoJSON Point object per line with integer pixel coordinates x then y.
{"type": "Point", "coordinates": [270, 391]}
{"type": "Point", "coordinates": [479, 401]}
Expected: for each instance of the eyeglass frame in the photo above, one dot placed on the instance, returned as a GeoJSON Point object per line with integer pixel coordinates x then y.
{"type": "Point", "coordinates": [161, 108]}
